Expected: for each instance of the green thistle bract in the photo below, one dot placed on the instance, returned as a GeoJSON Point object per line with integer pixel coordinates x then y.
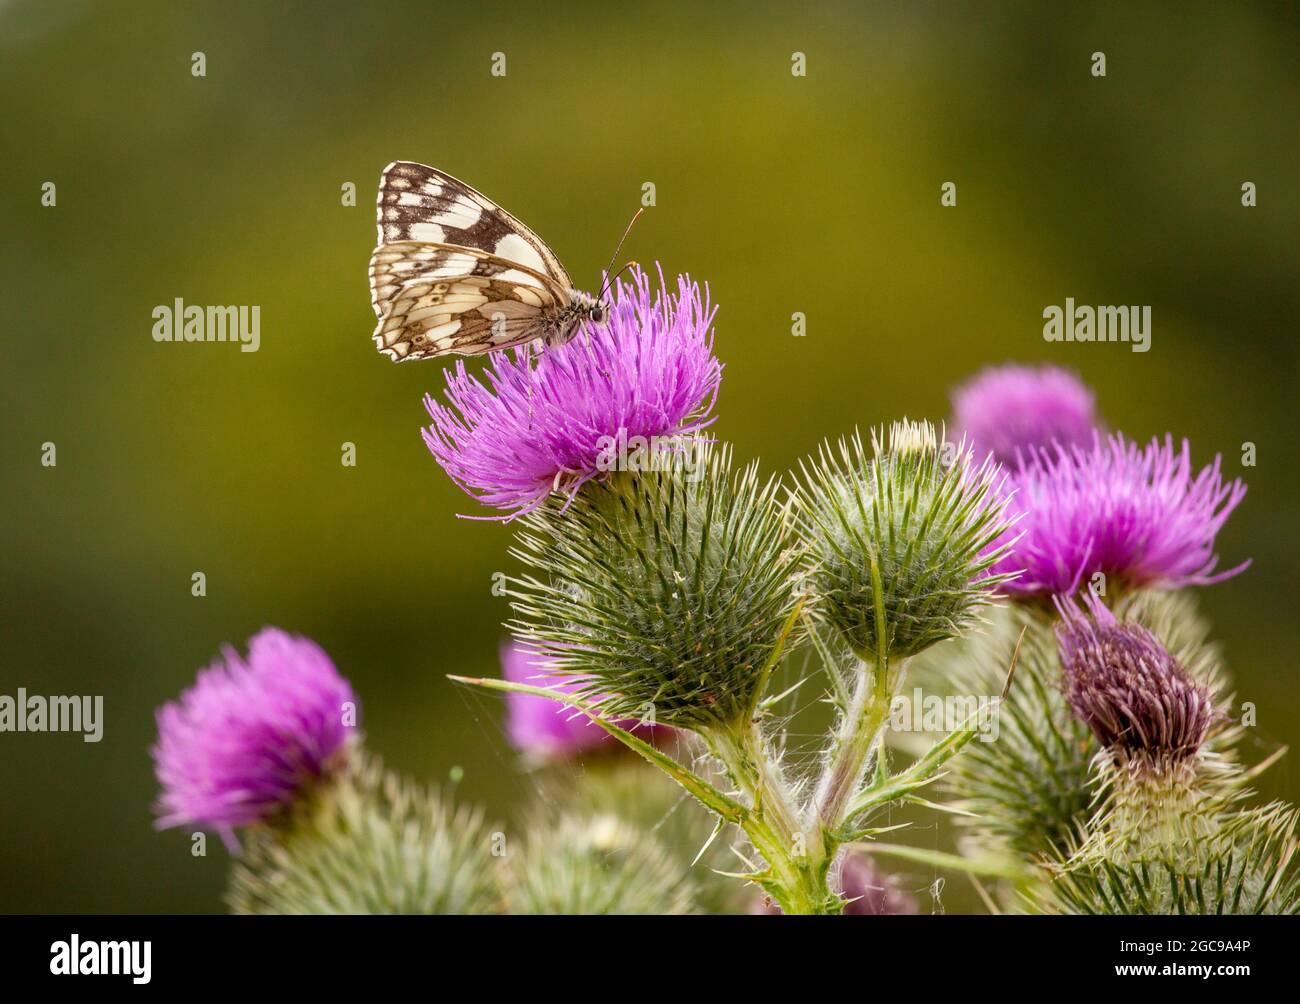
{"type": "Point", "coordinates": [910, 528]}
{"type": "Point", "coordinates": [667, 589]}
{"type": "Point", "coordinates": [1030, 793]}
{"type": "Point", "coordinates": [1212, 861]}
{"type": "Point", "coordinates": [1027, 793]}
{"type": "Point", "coordinates": [647, 799]}
{"type": "Point", "coordinates": [596, 865]}
{"type": "Point", "coordinates": [369, 843]}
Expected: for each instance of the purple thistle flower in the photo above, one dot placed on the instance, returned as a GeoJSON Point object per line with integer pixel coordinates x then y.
{"type": "Point", "coordinates": [1005, 409]}
{"type": "Point", "coordinates": [544, 729]}
{"type": "Point", "coordinates": [538, 425]}
{"type": "Point", "coordinates": [240, 743]}
{"type": "Point", "coordinates": [1128, 689]}
{"type": "Point", "coordinates": [1140, 516]}
{"type": "Point", "coordinates": [539, 726]}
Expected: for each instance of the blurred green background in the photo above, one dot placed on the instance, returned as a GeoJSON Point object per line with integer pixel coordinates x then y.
{"type": "Point", "coordinates": [817, 194]}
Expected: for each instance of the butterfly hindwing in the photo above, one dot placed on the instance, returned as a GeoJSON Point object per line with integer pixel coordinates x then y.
{"type": "Point", "coordinates": [431, 316]}
{"type": "Point", "coordinates": [394, 265]}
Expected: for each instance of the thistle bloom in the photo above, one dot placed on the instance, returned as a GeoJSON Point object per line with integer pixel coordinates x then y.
{"type": "Point", "coordinates": [1005, 409]}
{"type": "Point", "coordinates": [538, 726]}
{"type": "Point", "coordinates": [1141, 517]}
{"type": "Point", "coordinates": [240, 743]}
{"type": "Point", "coordinates": [539, 425]}
{"type": "Point", "coordinates": [1134, 696]}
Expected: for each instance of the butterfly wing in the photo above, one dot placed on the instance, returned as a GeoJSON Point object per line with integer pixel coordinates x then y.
{"type": "Point", "coordinates": [419, 203]}
{"type": "Point", "coordinates": [393, 266]}
{"type": "Point", "coordinates": [438, 238]}
{"type": "Point", "coordinates": [464, 314]}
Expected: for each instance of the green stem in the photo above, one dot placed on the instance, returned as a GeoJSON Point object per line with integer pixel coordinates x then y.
{"type": "Point", "coordinates": [795, 878]}
{"type": "Point", "coordinates": [858, 733]}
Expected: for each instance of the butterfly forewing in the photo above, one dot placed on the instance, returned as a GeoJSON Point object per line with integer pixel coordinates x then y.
{"type": "Point", "coordinates": [419, 203]}
{"type": "Point", "coordinates": [456, 274]}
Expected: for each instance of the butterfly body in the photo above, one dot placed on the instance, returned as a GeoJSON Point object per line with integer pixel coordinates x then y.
{"type": "Point", "coordinates": [454, 274]}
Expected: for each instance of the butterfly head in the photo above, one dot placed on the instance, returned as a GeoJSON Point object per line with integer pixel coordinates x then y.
{"type": "Point", "coordinates": [588, 307]}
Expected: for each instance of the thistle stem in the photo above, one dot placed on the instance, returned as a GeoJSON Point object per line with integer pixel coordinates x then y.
{"type": "Point", "coordinates": [795, 878]}
{"type": "Point", "coordinates": [857, 734]}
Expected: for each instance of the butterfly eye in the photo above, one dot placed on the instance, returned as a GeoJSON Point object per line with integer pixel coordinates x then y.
{"type": "Point", "coordinates": [598, 312]}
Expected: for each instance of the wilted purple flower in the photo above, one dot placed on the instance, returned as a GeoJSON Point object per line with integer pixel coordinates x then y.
{"type": "Point", "coordinates": [868, 890]}
{"type": "Point", "coordinates": [541, 425]}
{"type": "Point", "coordinates": [239, 744]}
{"type": "Point", "coordinates": [1140, 516]}
{"type": "Point", "coordinates": [543, 728]}
{"type": "Point", "coordinates": [1008, 408]}
{"type": "Point", "coordinates": [1127, 688]}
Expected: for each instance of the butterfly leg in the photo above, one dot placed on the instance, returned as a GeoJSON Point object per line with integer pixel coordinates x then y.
{"type": "Point", "coordinates": [535, 350]}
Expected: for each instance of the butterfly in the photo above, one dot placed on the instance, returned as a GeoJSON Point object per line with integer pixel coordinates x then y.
{"type": "Point", "coordinates": [455, 274]}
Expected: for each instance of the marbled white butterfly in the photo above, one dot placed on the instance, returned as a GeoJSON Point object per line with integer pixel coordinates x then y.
{"type": "Point", "coordinates": [455, 274]}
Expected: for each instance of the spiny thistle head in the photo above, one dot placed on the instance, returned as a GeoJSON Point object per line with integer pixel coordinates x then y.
{"type": "Point", "coordinates": [902, 537]}
{"type": "Point", "coordinates": [244, 741]}
{"type": "Point", "coordinates": [1212, 860]}
{"type": "Point", "coordinates": [369, 843]}
{"type": "Point", "coordinates": [1167, 835]}
{"type": "Point", "coordinates": [536, 426]}
{"type": "Point", "coordinates": [595, 865]}
{"type": "Point", "coordinates": [1138, 701]}
{"type": "Point", "coordinates": [1033, 790]}
{"type": "Point", "coordinates": [665, 590]}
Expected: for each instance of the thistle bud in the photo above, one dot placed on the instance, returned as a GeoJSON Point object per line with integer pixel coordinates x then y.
{"type": "Point", "coordinates": [368, 843]}
{"type": "Point", "coordinates": [1138, 701]}
{"type": "Point", "coordinates": [596, 864]}
{"type": "Point", "coordinates": [903, 537]}
{"type": "Point", "coordinates": [665, 591]}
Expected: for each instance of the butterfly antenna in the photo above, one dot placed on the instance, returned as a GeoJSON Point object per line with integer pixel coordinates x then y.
{"type": "Point", "coordinates": [630, 263]}
{"type": "Point", "coordinates": [610, 278]}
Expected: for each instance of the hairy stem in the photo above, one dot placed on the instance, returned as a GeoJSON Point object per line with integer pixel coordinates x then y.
{"type": "Point", "coordinates": [794, 878]}
{"type": "Point", "coordinates": [856, 736]}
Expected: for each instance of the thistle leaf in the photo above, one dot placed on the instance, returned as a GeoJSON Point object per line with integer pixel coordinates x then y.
{"type": "Point", "coordinates": [709, 796]}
